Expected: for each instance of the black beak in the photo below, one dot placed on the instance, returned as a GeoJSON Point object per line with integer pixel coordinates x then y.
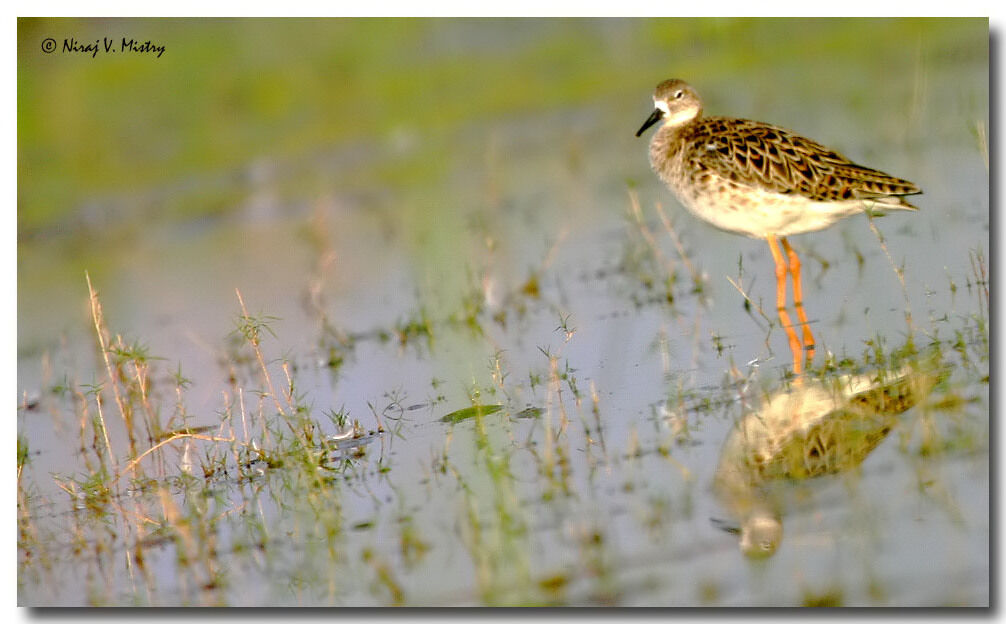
{"type": "Point", "coordinates": [654, 117]}
{"type": "Point", "coordinates": [724, 525]}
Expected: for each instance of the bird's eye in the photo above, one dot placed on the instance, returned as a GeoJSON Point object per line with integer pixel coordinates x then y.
{"type": "Point", "coordinates": [678, 95]}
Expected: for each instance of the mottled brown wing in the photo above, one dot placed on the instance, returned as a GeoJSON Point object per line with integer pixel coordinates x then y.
{"type": "Point", "coordinates": [840, 441]}
{"type": "Point", "coordinates": [773, 158]}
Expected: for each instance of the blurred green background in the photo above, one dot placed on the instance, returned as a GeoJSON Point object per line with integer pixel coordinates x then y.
{"type": "Point", "coordinates": [229, 91]}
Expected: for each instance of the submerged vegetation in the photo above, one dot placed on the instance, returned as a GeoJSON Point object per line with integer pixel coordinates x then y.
{"type": "Point", "coordinates": [159, 510]}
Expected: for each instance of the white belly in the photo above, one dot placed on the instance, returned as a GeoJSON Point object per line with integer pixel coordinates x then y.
{"type": "Point", "coordinates": [758, 214]}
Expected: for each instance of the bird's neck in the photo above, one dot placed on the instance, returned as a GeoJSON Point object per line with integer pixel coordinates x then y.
{"type": "Point", "coordinates": [667, 137]}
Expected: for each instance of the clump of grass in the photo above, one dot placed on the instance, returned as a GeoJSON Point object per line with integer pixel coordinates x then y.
{"type": "Point", "coordinates": [418, 328]}
{"type": "Point", "coordinates": [251, 328]}
{"type": "Point", "coordinates": [276, 431]}
{"type": "Point", "coordinates": [473, 308]}
{"type": "Point", "coordinates": [23, 455]}
{"type": "Point", "coordinates": [832, 597]}
{"type": "Point", "coordinates": [384, 577]}
{"type": "Point", "coordinates": [664, 270]}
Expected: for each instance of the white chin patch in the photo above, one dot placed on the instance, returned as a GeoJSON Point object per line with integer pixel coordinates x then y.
{"type": "Point", "coordinates": [679, 117]}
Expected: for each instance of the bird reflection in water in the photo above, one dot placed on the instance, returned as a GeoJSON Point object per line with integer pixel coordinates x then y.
{"type": "Point", "coordinates": [812, 429]}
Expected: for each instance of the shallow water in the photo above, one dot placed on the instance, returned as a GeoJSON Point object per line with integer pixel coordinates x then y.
{"type": "Point", "coordinates": [490, 254]}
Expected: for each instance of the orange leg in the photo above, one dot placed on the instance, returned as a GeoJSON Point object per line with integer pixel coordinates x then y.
{"type": "Point", "coordinates": [780, 299]}
{"type": "Point", "coordinates": [794, 271]}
